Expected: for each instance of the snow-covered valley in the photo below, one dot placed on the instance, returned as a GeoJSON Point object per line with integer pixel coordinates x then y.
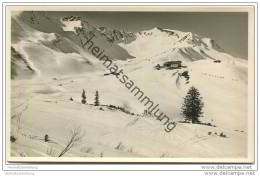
{"type": "Point", "coordinates": [50, 69]}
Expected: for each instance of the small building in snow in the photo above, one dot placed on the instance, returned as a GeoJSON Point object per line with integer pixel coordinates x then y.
{"type": "Point", "coordinates": [217, 61]}
{"type": "Point", "coordinates": [172, 64]}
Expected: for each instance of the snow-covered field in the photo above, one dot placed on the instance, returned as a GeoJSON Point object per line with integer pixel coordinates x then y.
{"type": "Point", "coordinates": [50, 75]}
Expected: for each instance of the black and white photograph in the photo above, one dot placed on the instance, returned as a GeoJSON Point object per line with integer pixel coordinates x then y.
{"type": "Point", "coordinates": [138, 85]}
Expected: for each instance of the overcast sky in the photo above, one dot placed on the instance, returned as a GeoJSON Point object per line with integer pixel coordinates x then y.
{"type": "Point", "coordinates": [229, 29]}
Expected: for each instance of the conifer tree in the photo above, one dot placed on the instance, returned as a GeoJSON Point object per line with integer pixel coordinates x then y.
{"type": "Point", "coordinates": [192, 106]}
{"type": "Point", "coordinates": [83, 96]}
{"type": "Point", "coordinates": [96, 103]}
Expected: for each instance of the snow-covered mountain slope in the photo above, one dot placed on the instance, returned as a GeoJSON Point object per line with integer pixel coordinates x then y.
{"type": "Point", "coordinates": [50, 111]}
{"type": "Point", "coordinates": [49, 53]}
{"type": "Point", "coordinates": [66, 34]}
{"type": "Point", "coordinates": [48, 48]}
{"type": "Point", "coordinates": [37, 35]}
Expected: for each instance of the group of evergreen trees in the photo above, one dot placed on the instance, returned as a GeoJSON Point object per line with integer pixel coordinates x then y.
{"type": "Point", "coordinates": [84, 101]}
{"type": "Point", "coordinates": [191, 108]}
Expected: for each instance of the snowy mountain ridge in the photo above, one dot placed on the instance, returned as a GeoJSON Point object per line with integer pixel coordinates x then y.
{"type": "Point", "coordinates": [66, 34]}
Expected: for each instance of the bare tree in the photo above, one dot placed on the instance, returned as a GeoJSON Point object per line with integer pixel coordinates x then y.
{"type": "Point", "coordinates": [75, 137]}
